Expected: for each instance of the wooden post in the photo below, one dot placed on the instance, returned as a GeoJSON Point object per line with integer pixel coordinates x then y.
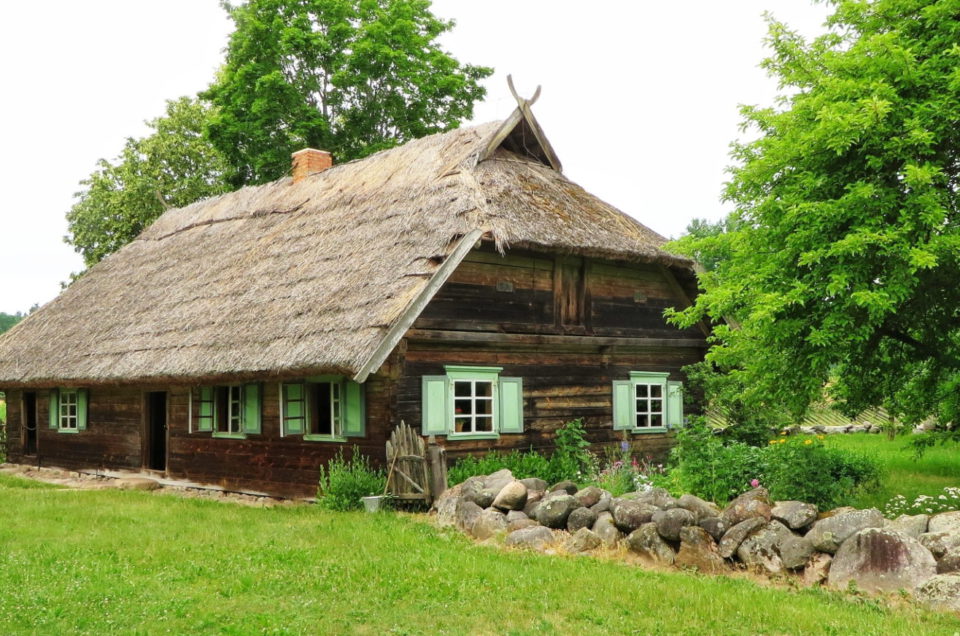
{"type": "Point", "coordinates": [437, 457]}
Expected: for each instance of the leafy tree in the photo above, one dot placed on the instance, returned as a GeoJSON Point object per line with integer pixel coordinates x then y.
{"type": "Point", "coordinates": [9, 320]}
{"type": "Point", "coordinates": [843, 250]}
{"type": "Point", "coordinates": [174, 166]}
{"type": "Point", "coordinates": [348, 76]}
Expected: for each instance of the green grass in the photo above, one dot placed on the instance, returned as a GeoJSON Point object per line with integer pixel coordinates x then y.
{"type": "Point", "coordinates": [123, 561]}
{"type": "Point", "coordinates": [903, 473]}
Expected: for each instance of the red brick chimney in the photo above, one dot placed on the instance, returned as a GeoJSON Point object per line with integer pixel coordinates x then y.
{"type": "Point", "coordinates": [309, 161]}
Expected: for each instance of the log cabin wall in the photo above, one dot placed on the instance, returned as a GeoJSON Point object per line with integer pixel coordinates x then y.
{"type": "Point", "coordinates": [568, 326]}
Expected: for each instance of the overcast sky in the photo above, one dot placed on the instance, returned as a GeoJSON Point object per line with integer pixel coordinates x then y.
{"type": "Point", "coordinates": [639, 98]}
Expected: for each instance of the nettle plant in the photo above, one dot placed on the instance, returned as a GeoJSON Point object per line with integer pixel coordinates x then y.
{"type": "Point", "coordinates": [946, 501]}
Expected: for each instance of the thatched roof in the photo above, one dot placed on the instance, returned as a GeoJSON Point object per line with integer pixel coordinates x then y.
{"type": "Point", "coordinates": [288, 277]}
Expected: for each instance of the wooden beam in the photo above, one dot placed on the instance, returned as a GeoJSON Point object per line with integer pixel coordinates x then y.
{"type": "Point", "coordinates": [682, 295]}
{"type": "Point", "coordinates": [486, 337]}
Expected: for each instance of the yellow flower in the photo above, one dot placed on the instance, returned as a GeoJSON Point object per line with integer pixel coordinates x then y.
{"type": "Point", "coordinates": [808, 441]}
{"type": "Point", "coordinates": [773, 441]}
{"type": "Point", "coordinates": [783, 441]}
{"type": "Point", "coordinates": [819, 436]}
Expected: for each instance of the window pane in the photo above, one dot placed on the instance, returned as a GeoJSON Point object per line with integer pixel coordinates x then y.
{"type": "Point", "coordinates": [642, 421]}
{"type": "Point", "coordinates": [463, 407]}
{"type": "Point", "coordinates": [484, 423]}
{"type": "Point", "coordinates": [643, 406]}
{"type": "Point", "coordinates": [484, 389]}
{"type": "Point", "coordinates": [484, 407]}
{"type": "Point", "coordinates": [656, 390]}
{"type": "Point", "coordinates": [642, 390]}
{"type": "Point", "coordinates": [656, 420]}
{"type": "Point", "coordinates": [656, 405]}
{"type": "Point", "coordinates": [462, 424]}
{"type": "Point", "coordinates": [461, 388]}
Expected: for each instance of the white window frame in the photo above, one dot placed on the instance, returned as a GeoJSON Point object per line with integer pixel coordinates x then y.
{"type": "Point", "coordinates": [650, 413]}
{"type": "Point", "coordinates": [474, 399]}
{"type": "Point", "coordinates": [337, 408]}
{"type": "Point", "coordinates": [67, 421]}
{"type": "Point", "coordinates": [463, 374]}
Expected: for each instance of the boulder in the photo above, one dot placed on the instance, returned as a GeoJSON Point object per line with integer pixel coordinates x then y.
{"type": "Point", "coordinates": [700, 508]}
{"type": "Point", "coordinates": [589, 496]}
{"type": "Point", "coordinates": [950, 562]}
{"type": "Point", "coordinates": [136, 483]}
{"type": "Point", "coordinates": [794, 514]}
{"type": "Point", "coordinates": [658, 497]}
{"type": "Point", "coordinates": [581, 518]}
{"type": "Point", "coordinates": [948, 522]}
{"type": "Point", "coordinates": [881, 560]}
{"type": "Point", "coordinates": [553, 511]}
{"type": "Point", "coordinates": [828, 534]}
{"type": "Point", "coordinates": [715, 526]}
{"type": "Point", "coordinates": [516, 524]}
{"type": "Point", "coordinates": [534, 497]}
{"type": "Point", "coordinates": [698, 550]}
{"type": "Point", "coordinates": [604, 504]}
{"type": "Point", "coordinates": [910, 525]}
{"type": "Point", "coordinates": [835, 511]}
{"type": "Point", "coordinates": [670, 522]}
{"type": "Point", "coordinates": [607, 530]}
{"type": "Point", "coordinates": [534, 538]}
{"type": "Point", "coordinates": [583, 540]}
{"type": "Point", "coordinates": [795, 552]}
{"type": "Point", "coordinates": [467, 515]}
{"type": "Point", "coordinates": [733, 537]}
{"type": "Point", "coordinates": [939, 543]}
{"type": "Point", "coordinates": [516, 515]}
{"type": "Point", "coordinates": [753, 503]}
{"type": "Point", "coordinates": [760, 550]}
{"type": "Point", "coordinates": [471, 487]}
{"type": "Point", "coordinates": [488, 523]}
{"type": "Point", "coordinates": [496, 481]}
{"type": "Point", "coordinates": [648, 543]}
{"type": "Point", "coordinates": [447, 505]}
{"type": "Point", "coordinates": [485, 497]}
{"type": "Point", "coordinates": [940, 592]}
{"type": "Point", "coordinates": [818, 568]}
{"type": "Point", "coordinates": [567, 486]}
{"type": "Point", "coordinates": [533, 483]}
{"type": "Point", "coordinates": [630, 514]}
{"type": "Point", "coordinates": [513, 496]}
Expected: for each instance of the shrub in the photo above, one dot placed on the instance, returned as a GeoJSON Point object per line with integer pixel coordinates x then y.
{"type": "Point", "coordinates": [571, 459]}
{"type": "Point", "coordinates": [711, 469]}
{"type": "Point", "coordinates": [343, 482]}
{"type": "Point", "coordinates": [946, 501]}
{"type": "Point", "coordinates": [621, 472]}
{"type": "Point", "coordinates": [522, 464]}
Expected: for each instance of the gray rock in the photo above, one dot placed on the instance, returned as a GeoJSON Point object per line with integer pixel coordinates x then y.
{"type": "Point", "coordinates": [581, 518]}
{"type": "Point", "coordinates": [607, 530]}
{"type": "Point", "coordinates": [534, 497]}
{"type": "Point", "coordinates": [700, 508]}
{"type": "Point", "coordinates": [950, 562]}
{"type": "Point", "coordinates": [714, 526]}
{"type": "Point", "coordinates": [828, 534]}
{"type": "Point", "coordinates": [467, 515]}
{"type": "Point", "coordinates": [513, 496]}
{"type": "Point", "coordinates": [794, 514]}
{"type": "Point", "coordinates": [910, 525]}
{"type": "Point", "coordinates": [535, 538]}
{"type": "Point", "coordinates": [490, 522]}
{"type": "Point", "coordinates": [496, 481]}
{"type": "Point", "coordinates": [795, 552]}
{"type": "Point", "coordinates": [945, 522]}
{"type": "Point", "coordinates": [471, 487]}
{"type": "Point", "coordinates": [630, 514]}
{"type": "Point", "coordinates": [516, 524]}
{"type": "Point", "coordinates": [447, 505]}
{"type": "Point", "coordinates": [881, 560]}
{"type": "Point", "coordinates": [670, 522]}
{"type": "Point", "coordinates": [567, 486]}
{"type": "Point", "coordinates": [760, 550]}
{"type": "Point", "coordinates": [940, 592]}
{"type": "Point", "coordinates": [754, 503]}
{"type": "Point", "coordinates": [583, 540]}
{"type": "Point", "coordinates": [658, 497]}
{"type": "Point", "coordinates": [516, 515]}
{"type": "Point", "coordinates": [485, 498]}
{"type": "Point", "coordinates": [604, 504]}
{"type": "Point", "coordinates": [733, 537]}
{"type": "Point", "coordinates": [553, 511]}
{"type": "Point", "coordinates": [533, 483]}
{"type": "Point", "coordinates": [939, 543]}
{"type": "Point", "coordinates": [589, 496]}
{"type": "Point", "coordinates": [818, 568]}
{"type": "Point", "coordinates": [648, 543]}
{"type": "Point", "coordinates": [698, 550]}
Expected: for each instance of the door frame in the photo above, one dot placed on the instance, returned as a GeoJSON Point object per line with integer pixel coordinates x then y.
{"type": "Point", "coordinates": [147, 430]}
{"type": "Point", "coordinates": [25, 425]}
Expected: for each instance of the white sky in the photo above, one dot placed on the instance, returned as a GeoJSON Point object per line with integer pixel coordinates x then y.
{"type": "Point", "coordinates": [639, 98]}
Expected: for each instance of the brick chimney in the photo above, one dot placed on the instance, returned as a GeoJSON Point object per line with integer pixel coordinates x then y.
{"type": "Point", "coordinates": [309, 161]}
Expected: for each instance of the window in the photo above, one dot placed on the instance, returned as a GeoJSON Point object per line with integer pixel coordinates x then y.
{"type": "Point", "coordinates": [68, 410]}
{"type": "Point", "coordinates": [472, 402]}
{"type": "Point", "coordinates": [647, 402]}
{"type": "Point", "coordinates": [226, 411]}
{"type": "Point", "coordinates": [322, 408]}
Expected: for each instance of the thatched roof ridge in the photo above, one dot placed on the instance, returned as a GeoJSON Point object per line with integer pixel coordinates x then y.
{"type": "Point", "coordinates": [283, 277]}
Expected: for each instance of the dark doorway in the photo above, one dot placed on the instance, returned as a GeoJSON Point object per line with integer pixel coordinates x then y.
{"type": "Point", "coordinates": [29, 423]}
{"type": "Point", "coordinates": [157, 430]}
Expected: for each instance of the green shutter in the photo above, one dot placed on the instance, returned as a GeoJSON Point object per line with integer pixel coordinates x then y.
{"type": "Point", "coordinates": [623, 405]}
{"type": "Point", "coordinates": [82, 401]}
{"type": "Point", "coordinates": [436, 409]}
{"type": "Point", "coordinates": [251, 409]}
{"type": "Point", "coordinates": [511, 405]}
{"type": "Point", "coordinates": [205, 408]}
{"type": "Point", "coordinates": [54, 408]}
{"type": "Point", "coordinates": [294, 408]}
{"type": "Point", "coordinates": [354, 416]}
{"type": "Point", "coordinates": [674, 404]}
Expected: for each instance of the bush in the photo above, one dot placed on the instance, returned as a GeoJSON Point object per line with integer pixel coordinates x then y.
{"type": "Point", "coordinates": [620, 472]}
{"type": "Point", "coordinates": [711, 469]}
{"type": "Point", "coordinates": [343, 483]}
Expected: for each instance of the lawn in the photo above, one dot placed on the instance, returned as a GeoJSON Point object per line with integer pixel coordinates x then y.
{"type": "Point", "coordinates": [903, 473]}
{"type": "Point", "coordinates": [111, 561]}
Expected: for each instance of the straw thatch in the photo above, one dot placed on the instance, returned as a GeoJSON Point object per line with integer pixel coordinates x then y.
{"type": "Point", "coordinates": [287, 277]}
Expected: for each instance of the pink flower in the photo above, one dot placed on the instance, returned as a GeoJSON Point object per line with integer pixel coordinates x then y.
{"type": "Point", "coordinates": [754, 482]}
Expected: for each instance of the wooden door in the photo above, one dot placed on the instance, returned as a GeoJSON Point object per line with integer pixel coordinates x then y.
{"type": "Point", "coordinates": [156, 434]}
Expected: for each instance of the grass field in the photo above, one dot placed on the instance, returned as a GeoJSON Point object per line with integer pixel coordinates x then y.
{"type": "Point", "coordinates": [903, 473]}
{"type": "Point", "coordinates": [118, 562]}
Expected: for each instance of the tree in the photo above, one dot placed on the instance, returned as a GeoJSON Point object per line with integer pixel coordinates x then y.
{"type": "Point", "coordinates": [348, 76]}
{"type": "Point", "coordinates": [9, 320]}
{"type": "Point", "coordinates": [172, 167]}
{"type": "Point", "coordinates": [842, 255]}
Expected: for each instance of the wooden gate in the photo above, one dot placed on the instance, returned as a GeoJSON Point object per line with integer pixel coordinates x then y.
{"type": "Point", "coordinates": [414, 474]}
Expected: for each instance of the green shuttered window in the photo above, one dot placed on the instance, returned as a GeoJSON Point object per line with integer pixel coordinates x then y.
{"type": "Point", "coordinates": [226, 411]}
{"type": "Point", "coordinates": [323, 408]}
{"type": "Point", "coordinates": [471, 402]}
{"type": "Point", "coordinates": [647, 402]}
{"type": "Point", "coordinates": [68, 410]}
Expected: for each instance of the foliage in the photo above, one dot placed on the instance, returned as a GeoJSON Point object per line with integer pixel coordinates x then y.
{"type": "Point", "coordinates": [620, 472]}
{"type": "Point", "coordinates": [3, 429]}
{"type": "Point", "coordinates": [522, 464]}
{"type": "Point", "coordinates": [946, 501]}
{"type": "Point", "coordinates": [712, 469]}
{"type": "Point", "coordinates": [570, 458]}
{"type": "Point", "coordinates": [201, 566]}
{"type": "Point", "coordinates": [348, 76]}
{"type": "Point", "coordinates": [9, 320]}
{"type": "Point", "coordinates": [844, 248]}
{"type": "Point", "coordinates": [343, 482]}
{"type": "Point", "coordinates": [173, 166]}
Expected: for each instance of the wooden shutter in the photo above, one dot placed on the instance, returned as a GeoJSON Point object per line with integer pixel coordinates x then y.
{"type": "Point", "coordinates": [82, 402]}
{"type": "Point", "coordinates": [54, 408]}
{"type": "Point", "coordinates": [624, 407]}
{"type": "Point", "coordinates": [674, 404]}
{"type": "Point", "coordinates": [436, 408]}
{"type": "Point", "coordinates": [511, 405]}
{"type": "Point", "coordinates": [251, 409]}
{"type": "Point", "coordinates": [354, 409]}
{"type": "Point", "coordinates": [293, 408]}
{"type": "Point", "coordinates": [205, 408]}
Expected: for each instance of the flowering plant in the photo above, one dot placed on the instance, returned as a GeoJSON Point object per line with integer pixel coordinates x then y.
{"type": "Point", "coordinates": [946, 501]}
